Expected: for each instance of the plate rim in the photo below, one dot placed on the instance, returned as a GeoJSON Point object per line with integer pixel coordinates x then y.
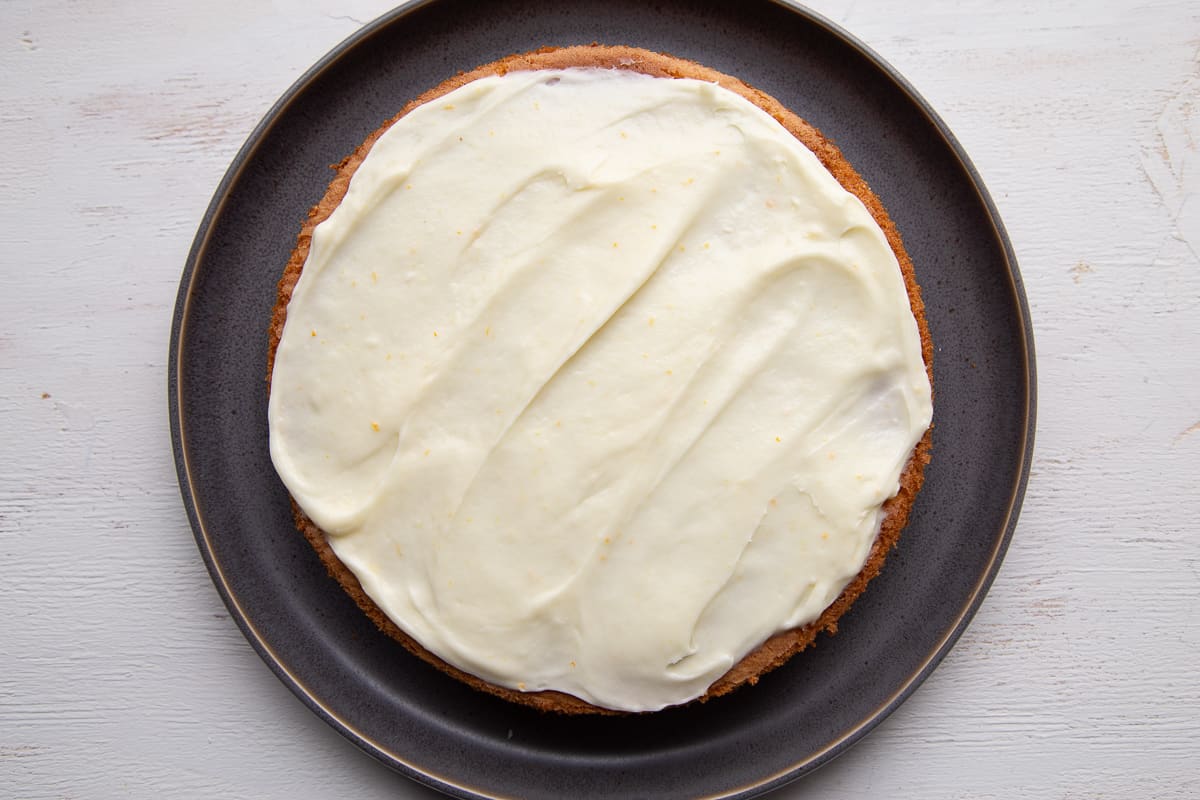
{"type": "Point", "coordinates": [804, 764]}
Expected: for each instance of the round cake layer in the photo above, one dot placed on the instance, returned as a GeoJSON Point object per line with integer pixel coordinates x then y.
{"type": "Point", "coordinates": [601, 385]}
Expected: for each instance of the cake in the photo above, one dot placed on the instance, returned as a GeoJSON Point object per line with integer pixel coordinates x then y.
{"type": "Point", "coordinates": [600, 380]}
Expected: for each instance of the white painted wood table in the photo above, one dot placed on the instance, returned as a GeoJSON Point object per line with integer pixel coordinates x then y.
{"type": "Point", "coordinates": [122, 675]}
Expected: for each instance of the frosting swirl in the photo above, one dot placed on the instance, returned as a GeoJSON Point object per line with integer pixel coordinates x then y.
{"type": "Point", "coordinates": [590, 405]}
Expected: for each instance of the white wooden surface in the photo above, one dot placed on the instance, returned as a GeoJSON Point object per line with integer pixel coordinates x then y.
{"type": "Point", "coordinates": [121, 674]}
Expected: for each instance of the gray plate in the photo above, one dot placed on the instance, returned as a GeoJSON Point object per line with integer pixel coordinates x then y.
{"type": "Point", "coordinates": [426, 725]}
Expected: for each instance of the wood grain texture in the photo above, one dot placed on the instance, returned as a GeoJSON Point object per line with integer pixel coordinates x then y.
{"type": "Point", "coordinates": [121, 674]}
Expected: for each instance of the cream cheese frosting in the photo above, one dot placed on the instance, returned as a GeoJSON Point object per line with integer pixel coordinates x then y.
{"type": "Point", "coordinates": [596, 381]}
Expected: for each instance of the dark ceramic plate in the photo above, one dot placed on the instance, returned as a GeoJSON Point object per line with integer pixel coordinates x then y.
{"type": "Point", "coordinates": [426, 725]}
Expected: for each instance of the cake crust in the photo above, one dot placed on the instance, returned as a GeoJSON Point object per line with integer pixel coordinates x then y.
{"type": "Point", "coordinates": [778, 648]}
